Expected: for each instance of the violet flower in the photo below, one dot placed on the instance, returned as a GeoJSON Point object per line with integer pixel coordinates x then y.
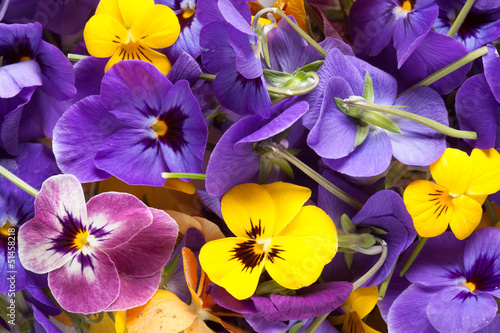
{"type": "Point", "coordinates": [333, 133]}
{"type": "Point", "coordinates": [454, 285]}
{"type": "Point", "coordinates": [478, 28]}
{"type": "Point", "coordinates": [374, 23]}
{"type": "Point", "coordinates": [113, 248]}
{"type": "Point", "coordinates": [477, 103]}
{"type": "Point", "coordinates": [158, 128]}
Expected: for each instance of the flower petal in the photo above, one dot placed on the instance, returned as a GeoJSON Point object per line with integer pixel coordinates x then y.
{"type": "Point", "coordinates": [453, 170]}
{"type": "Point", "coordinates": [157, 26]}
{"type": "Point", "coordinates": [363, 300]}
{"type": "Point", "coordinates": [135, 291]}
{"type": "Point", "coordinates": [237, 273]}
{"type": "Point", "coordinates": [139, 51]}
{"type": "Point", "coordinates": [249, 211]}
{"type": "Point", "coordinates": [131, 10]}
{"type": "Point", "coordinates": [96, 278]}
{"type": "Point", "coordinates": [465, 217]}
{"type": "Point", "coordinates": [114, 218]}
{"type": "Point", "coordinates": [485, 172]}
{"type": "Point", "coordinates": [149, 250]}
{"type": "Point", "coordinates": [103, 35]}
{"type": "Point", "coordinates": [430, 206]}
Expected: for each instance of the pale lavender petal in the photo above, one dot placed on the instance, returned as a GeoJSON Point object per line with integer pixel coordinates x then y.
{"type": "Point", "coordinates": [148, 251]}
{"type": "Point", "coordinates": [235, 16]}
{"type": "Point", "coordinates": [419, 144]}
{"type": "Point", "coordinates": [493, 326]}
{"type": "Point", "coordinates": [78, 135]}
{"type": "Point", "coordinates": [334, 133]}
{"type": "Point", "coordinates": [135, 291]}
{"type": "Point", "coordinates": [15, 77]}
{"type": "Point", "coordinates": [114, 218]}
{"type": "Point", "coordinates": [134, 156]}
{"type": "Point", "coordinates": [89, 283]}
{"type": "Point", "coordinates": [261, 324]}
{"type": "Point", "coordinates": [486, 4]}
{"type": "Point", "coordinates": [455, 309]}
{"type": "Point", "coordinates": [371, 158]}
{"type": "Point", "coordinates": [408, 312]}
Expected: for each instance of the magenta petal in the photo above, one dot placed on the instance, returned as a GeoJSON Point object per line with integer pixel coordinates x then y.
{"type": "Point", "coordinates": [455, 309]}
{"type": "Point", "coordinates": [114, 218]}
{"type": "Point", "coordinates": [135, 291]}
{"type": "Point", "coordinates": [149, 250]}
{"type": "Point", "coordinates": [61, 201]}
{"type": "Point", "coordinates": [89, 283]}
{"type": "Point", "coordinates": [37, 250]}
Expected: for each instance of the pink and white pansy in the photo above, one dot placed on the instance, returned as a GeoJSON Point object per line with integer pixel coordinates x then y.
{"type": "Point", "coordinates": [107, 254]}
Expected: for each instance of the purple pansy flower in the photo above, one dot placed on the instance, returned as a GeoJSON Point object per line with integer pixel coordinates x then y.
{"type": "Point", "coordinates": [333, 133]}
{"type": "Point", "coordinates": [454, 285]}
{"type": "Point", "coordinates": [374, 23]}
{"type": "Point", "coordinates": [31, 62]}
{"type": "Point", "coordinates": [477, 103]}
{"type": "Point", "coordinates": [34, 164]}
{"type": "Point", "coordinates": [478, 28]}
{"type": "Point", "coordinates": [157, 128]}
{"type": "Point", "coordinates": [113, 248]}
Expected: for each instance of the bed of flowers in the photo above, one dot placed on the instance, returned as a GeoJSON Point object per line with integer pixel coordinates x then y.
{"type": "Point", "coordinates": [249, 166]}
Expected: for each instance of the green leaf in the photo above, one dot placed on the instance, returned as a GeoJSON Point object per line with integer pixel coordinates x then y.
{"type": "Point", "coordinates": [312, 67]}
{"type": "Point", "coordinates": [296, 328]}
{"type": "Point", "coordinates": [368, 93]}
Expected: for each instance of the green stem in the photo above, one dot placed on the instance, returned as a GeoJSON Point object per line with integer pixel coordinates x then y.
{"type": "Point", "coordinates": [269, 146]}
{"type": "Point", "coordinates": [415, 117]}
{"type": "Point", "coordinates": [385, 284]}
{"type": "Point", "coordinates": [491, 211]}
{"type": "Point", "coordinates": [448, 69]}
{"type": "Point", "coordinates": [170, 175]}
{"type": "Point", "coordinates": [460, 18]}
{"type": "Point", "coordinates": [414, 255]}
{"type": "Point", "coordinates": [301, 32]}
{"type": "Point", "coordinates": [76, 57]}
{"type": "Point", "coordinates": [375, 268]}
{"type": "Point", "coordinates": [276, 90]}
{"type": "Point", "coordinates": [317, 323]}
{"type": "Point", "coordinates": [18, 181]}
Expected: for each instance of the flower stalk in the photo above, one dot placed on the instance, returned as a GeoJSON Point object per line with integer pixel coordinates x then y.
{"type": "Point", "coordinates": [18, 181]}
{"type": "Point", "coordinates": [413, 255]}
{"type": "Point", "coordinates": [460, 18]}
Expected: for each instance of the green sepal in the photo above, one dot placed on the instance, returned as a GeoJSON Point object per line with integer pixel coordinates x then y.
{"type": "Point", "coordinates": [283, 164]}
{"type": "Point", "coordinates": [312, 67]}
{"type": "Point", "coordinates": [294, 151]}
{"type": "Point", "coordinates": [368, 93]}
{"type": "Point", "coordinates": [276, 76]}
{"type": "Point", "coordinates": [347, 225]}
{"type": "Point", "coordinates": [352, 240]}
{"type": "Point", "coordinates": [378, 231]}
{"type": "Point", "coordinates": [395, 173]}
{"type": "Point", "coordinates": [265, 169]}
{"type": "Point", "coordinates": [376, 119]}
{"type": "Point", "coordinates": [281, 135]}
{"type": "Point", "coordinates": [362, 130]}
{"type": "Point", "coordinates": [170, 269]}
{"type": "Point", "coordinates": [264, 49]}
{"type": "Point", "coordinates": [339, 102]}
{"type": "Point", "coordinates": [296, 328]}
{"type": "Point", "coordinates": [349, 257]}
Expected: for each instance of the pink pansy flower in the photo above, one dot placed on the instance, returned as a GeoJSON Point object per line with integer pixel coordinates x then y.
{"type": "Point", "coordinates": [107, 254]}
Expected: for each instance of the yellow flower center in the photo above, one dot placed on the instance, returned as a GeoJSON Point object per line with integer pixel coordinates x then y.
{"type": "Point", "coordinates": [160, 127]}
{"type": "Point", "coordinates": [471, 286]}
{"type": "Point", "coordinates": [81, 239]}
{"type": "Point", "coordinates": [188, 13]}
{"type": "Point", "coordinates": [406, 5]}
{"type": "Point", "coordinates": [5, 229]}
{"type": "Point", "coordinates": [263, 244]}
{"type": "Point", "coordinates": [25, 58]}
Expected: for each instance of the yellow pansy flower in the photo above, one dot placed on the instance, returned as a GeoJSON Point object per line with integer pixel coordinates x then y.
{"type": "Point", "coordinates": [359, 304]}
{"type": "Point", "coordinates": [462, 184]}
{"type": "Point", "coordinates": [273, 231]}
{"type": "Point", "coordinates": [130, 29]}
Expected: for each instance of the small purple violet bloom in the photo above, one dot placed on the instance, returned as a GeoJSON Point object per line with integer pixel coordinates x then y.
{"type": "Point", "coordinates": [107, 254]}
{"type": "Point", "coordinates": [157, 128]}
{"type": "Point", "coordinates": [454, 285]}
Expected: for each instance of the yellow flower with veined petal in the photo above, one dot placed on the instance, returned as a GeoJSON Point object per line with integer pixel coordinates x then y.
{"type": "Point", "coordinates": [462, 184]}
{"type": "Point", "coordinates": [273, 231]}
{"type": "Point", "coordinates": [359, 304]}
{"type": "Point", "coordinates": [130, 29]}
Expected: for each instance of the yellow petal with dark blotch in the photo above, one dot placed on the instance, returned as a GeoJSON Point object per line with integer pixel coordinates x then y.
{"type": "Point", "coordinates": [288, 200]}
{"type": "Point", "coordinates": [104, 35]}
{"type": "Point", "coordinates": [139, 51]}
{"type": "Point", "coordinates": [294, 262]}
{"type": "Point", "coordinates": [453, 170]}
{"type": "Point", "coordinates": [430, 206]}
{"type": "Point", "coordinates": [363, 300]}
{"type": "Point", "coordinates": [485, 172]}
{"type": "Point", "coordinates": [158, 27]}
{"type": "Point", "coordinates": [317, 228]}
{"type": "Point", "coordinates": [234, 264]}
{"type": "Point", "coordinates": [110, 8]}
{"type": "Point", "coordinates": [466, 216]}
{"type": "Point", "coordinates": [249, 211]}
{"type": "Point", "coordinates": [132, 9]}
{"type": "Point", "coordinates": [191, 273]}
{"type": "Point", "coordinates": [164, 313]}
